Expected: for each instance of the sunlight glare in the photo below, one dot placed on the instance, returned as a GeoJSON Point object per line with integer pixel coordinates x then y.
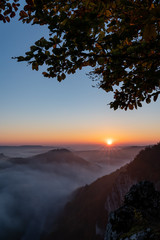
{"type": "Point", "coordinates": [109, 141]}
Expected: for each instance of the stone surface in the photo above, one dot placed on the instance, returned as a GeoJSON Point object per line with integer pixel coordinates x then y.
{"type": "Point", "coordinates": [139, 217]}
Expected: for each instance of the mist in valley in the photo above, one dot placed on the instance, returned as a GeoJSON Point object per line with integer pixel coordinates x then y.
{"type": "Point", "coordinates": [35, 188]}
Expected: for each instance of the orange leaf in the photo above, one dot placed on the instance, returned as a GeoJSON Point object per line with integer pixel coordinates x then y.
{"type": "Point", "coordinates": [23, 14]}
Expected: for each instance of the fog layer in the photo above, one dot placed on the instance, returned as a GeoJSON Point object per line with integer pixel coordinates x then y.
{"type": "Point", "coordinates": [34, 190]}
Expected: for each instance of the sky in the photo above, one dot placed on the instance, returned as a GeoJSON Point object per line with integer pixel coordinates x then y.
{"type": "Point", "coordinates": [37, 110]}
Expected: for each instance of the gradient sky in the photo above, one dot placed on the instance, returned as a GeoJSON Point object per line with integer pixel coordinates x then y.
{"type": "Point", "coordinates": [37, 110]}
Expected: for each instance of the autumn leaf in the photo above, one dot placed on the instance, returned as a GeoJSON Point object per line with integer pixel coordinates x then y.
{"type": "Point", "coordinates": [23, 14]}
{"type": "Point", "coordinates": [119, 40]}
{"type": "Point", "coordinates": [35, 66]}
{"type": "Point", "coordinates": [149, 32]}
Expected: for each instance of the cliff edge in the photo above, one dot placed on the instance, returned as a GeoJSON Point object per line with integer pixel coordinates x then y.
{"type": "Point", "coordinates": [139, 217]}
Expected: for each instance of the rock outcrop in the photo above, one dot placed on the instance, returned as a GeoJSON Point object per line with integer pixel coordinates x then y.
{"type": "Point", "coordinates": [139, 217]}
{"type": "Point", "coordinates": [86, 215]}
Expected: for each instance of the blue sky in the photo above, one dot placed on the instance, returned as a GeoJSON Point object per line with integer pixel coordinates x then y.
{"type": "Point", "coordinates": [37, 110]}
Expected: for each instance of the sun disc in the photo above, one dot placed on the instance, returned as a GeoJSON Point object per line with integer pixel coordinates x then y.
{"type": "Point", "coordinates": [109, 141]}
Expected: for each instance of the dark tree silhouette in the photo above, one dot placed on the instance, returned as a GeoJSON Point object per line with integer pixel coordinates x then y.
{"type": "Point", "coordinates": [119, 39]}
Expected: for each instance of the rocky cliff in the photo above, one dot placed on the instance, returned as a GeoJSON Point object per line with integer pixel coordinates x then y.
{"type": "Point", "coordinates": [139, 217]}
{"type": "Point", "coordinates": [86, 216]}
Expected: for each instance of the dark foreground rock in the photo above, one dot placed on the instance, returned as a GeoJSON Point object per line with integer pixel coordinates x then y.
{"type": "Point", "coordinates": [139, 217]}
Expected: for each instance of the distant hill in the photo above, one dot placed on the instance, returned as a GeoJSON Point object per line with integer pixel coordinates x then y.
{"type": "Point", "coordinates": [24, 150]}
{"type": "Point", "coordinates": [86, 216]}
{"type": "Point", "coordinates": [55, 156]}
{"type": "Point", "coordinates": [3, 157]}
{"type": "Point", "coordinates": [114, 156]}
{"type": "Point", "coordinates": [60, 156]}
{"type": "Point", "coordinates": [31, 146]}
{"type": "Point", "coordinates": [23, 146]}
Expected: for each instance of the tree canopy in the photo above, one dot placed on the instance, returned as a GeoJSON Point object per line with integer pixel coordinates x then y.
{"type": "Point", "coordinates": [119, 39]}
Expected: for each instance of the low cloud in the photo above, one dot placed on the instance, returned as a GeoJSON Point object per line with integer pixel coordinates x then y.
{"type": "Point", "coordinates": [33, 191]}
{"type": "Point", "coordinates": [33, 194]}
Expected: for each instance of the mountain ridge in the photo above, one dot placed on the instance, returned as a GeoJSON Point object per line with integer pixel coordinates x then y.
{"type": "Point", "coordinates": [88, 211]}
{"type": "Point", "coordinates": [58, 156]}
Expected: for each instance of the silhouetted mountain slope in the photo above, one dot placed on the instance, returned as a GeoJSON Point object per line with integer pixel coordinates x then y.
{"type": "Point", "coordinates": [3, 157]}
{"type": "Point", "coordinates": [61, 162]}
{"type": "Point", "coordinates": [56, 156]}
{"type": "Point", "coordinates": [115, 156]}
{"type": "Point", "coordinates": [60, 156]}
{"type": "Point", "coordinates": [85, 217]}
{"type": "Point", "coordinates": [86, 212]}
{"type": "Point", "coordinates": [146, 164]}
{"type": "Point", "coordinates": [3, 161]}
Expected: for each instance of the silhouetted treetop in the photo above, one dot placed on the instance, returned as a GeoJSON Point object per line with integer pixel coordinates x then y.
{"type": "Point", "coordinates": [119, 39]}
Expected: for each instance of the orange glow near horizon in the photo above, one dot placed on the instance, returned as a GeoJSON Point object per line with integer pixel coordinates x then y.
{"type": "Point", "coordinates": [46, 139]}
{"type": "Point", "coordinates": [37, 136]}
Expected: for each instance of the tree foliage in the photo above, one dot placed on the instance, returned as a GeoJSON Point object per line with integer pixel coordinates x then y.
{"type": "Point", "coordinates": [119, 39]}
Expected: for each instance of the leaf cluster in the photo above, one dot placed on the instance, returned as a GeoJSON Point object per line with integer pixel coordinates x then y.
{"type": "Point", "coordinates": [119, 39]}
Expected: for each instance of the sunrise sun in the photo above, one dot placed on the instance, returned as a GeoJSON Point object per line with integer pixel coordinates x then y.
{"type": "Point", "coordinates": [109, 141]}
